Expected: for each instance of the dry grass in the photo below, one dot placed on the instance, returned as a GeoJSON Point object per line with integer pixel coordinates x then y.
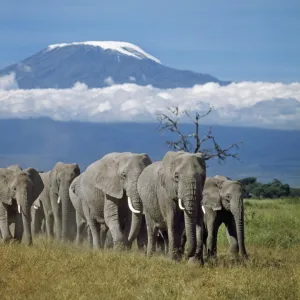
{"type": "Point", "coordinates": [50, 271]}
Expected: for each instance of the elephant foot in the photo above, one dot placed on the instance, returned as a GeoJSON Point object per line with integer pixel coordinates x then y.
{"type": "Point", "coordinates": [195, 261]}
{"type": "Point", "coordinates": [176, 256]}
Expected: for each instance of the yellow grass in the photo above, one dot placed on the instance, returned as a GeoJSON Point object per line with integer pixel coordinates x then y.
{"type": "Point", "coordinates": [50, 271]}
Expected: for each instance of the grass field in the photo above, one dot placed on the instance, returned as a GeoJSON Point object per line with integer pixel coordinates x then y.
{"type": "Point", "coordinates": [50, 271]}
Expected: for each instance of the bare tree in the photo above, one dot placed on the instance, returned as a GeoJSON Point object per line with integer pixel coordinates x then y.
{"type": "Point", "coordinates": [193, 142]}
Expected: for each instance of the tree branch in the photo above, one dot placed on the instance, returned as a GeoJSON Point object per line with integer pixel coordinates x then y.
{"type": "Point", "coordinates": [171, 124]}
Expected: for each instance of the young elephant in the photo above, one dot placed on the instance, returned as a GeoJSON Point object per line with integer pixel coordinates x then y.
{"type": "Point", "coordinates": [171, 191]}
{"type": "Point", "coordinates": [223, 203]}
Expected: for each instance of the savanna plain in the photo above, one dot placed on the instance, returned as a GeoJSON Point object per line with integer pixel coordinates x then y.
{"type": "Point", "coordinates": [47, 270]}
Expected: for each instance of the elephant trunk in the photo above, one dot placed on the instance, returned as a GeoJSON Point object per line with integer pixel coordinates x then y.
{"type": "Point", "coordinates": [65, 202]}
{"type": "Point", "coordinates": [22, 198]}
{"type": "Point", "coordinates": [188, 199]}
{"type": "Point", "coordinates": [238, 213]}
{"type": "Point", "coordinates": [136, 207]}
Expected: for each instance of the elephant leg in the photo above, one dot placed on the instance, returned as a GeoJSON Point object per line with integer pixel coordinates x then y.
{"type": "Point", "coordinates": [232, 236]}
{"type": "Point", "coordinates": [80, 225]}
{"type": "Point", "coordinates": [103, 234]}
{"type": "Point", "coordinates": [152, 234]}
{"type": "Point", "coordinates": [213, 225]}
{"type": "Point", "coordinates": [94, 228]}
{"type": "Point", "coordinates": [175, 230]}
{"type": "Point", "coordinates": [49, 224]}
{"type": "Point", "coordinates": [57, 214]}
{"type": "Point", "coordinates": [4, 227]}
{"type": "Point", "coordinates": [36, 221]}
{"type": "Point", "coordinates": [18, 227]}
{"type": "Point", "coordinates": [89, 237]}
{"type": "Point", "coordinates": [111, 217]}
{"type": "Point", "coordinates": [109, 243]}
{"type": "Point", "coordinates": [199, 249]}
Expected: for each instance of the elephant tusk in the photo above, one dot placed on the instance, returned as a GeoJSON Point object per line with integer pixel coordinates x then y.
{"type": "Point", "coordinates": [131, 207]}
{"type": "Point", "coordinates": [203, 209]}
{"type": "Point", "coordinates": [180, 204]}
{"type": "Point", "coordinates": [19, 208]}
{"type": "Point", "coordinates": [58, 199]}
{"type": "Point", "coordinates": [35, 207]}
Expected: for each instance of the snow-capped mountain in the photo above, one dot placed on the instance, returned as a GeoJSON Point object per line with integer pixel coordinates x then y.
{"type": "Point", "coordinates": [99, 64]}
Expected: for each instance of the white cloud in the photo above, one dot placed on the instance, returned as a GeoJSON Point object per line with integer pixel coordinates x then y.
{"type": "Point", "coordinates": [238, 104]}
{"type": "Point", "coordinates": [8, 82]}
{"type": "Point", "coordinates": [109, 81]}
{"type": "Point", "coordinates": [132, 78]}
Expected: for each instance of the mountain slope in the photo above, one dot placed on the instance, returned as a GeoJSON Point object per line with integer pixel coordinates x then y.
{"type": "Point", "coordinates": [98, 64]}
{"type": "Point", "coordinates": [40, 143]}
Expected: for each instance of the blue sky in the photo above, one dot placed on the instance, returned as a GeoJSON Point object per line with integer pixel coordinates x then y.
{"type": "Point", "coordinates": [233, 40]}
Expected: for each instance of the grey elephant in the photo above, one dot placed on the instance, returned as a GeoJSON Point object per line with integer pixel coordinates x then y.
{"type": "Point", "coordinates": [223, 203]}
{"type": "Point", "coordinates": [171, 191]}
{"type": "Point", "coordinates": [18, 190]}
{"type": "Point", "coordinates": [60, 179]}
{"type": "Point", "coordinates": [108, 190]}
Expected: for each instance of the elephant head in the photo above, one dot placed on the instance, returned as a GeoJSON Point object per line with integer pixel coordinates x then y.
{"type": "Point", "coordinates": [222, 193]}
{"type": "Point", "coordinates": [21, 188]}
{"type": "Point", "coordinates": [118, 173]}
{"type": "Point", "coordinates": [61, 177]}
{"type": "Point", "coordinates": [184, 175]}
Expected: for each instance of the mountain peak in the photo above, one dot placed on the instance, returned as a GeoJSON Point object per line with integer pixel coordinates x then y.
{"type": "Point", "coordinates": [122, 47]}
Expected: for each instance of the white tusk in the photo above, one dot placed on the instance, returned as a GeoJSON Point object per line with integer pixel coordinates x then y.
{"type": "Point", "coordinates": [58, 199]}
{"type": "Point", "coordinates": [131, 207]}
{"type": "Point", "coordinates": [180, 204]}
{"type": "Point", "coordinates": [203, 209]}
{"type": "Point", "coordinates": [35, 207]}
{"type": "Point", "coordinates": [19, 208]}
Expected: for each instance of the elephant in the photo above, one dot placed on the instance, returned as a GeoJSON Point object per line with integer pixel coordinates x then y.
{"type": "Point", "coordinates": [170, 191]}
{"type": "Point", "coordinates": [223, 203]}
{"type": "Point", "coordinates": [60, 179]}
{"type": "Point", "coordinates": [18, 190]}
{"type": "Point", "coordinates": [104, 189]}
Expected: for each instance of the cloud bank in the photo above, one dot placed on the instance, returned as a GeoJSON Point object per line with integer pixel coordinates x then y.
{"type": "Point", "coordinates": [259, 104]}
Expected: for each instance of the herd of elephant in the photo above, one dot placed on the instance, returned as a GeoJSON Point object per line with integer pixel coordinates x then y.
{"type": "Point", "coordinates": [168, 205]}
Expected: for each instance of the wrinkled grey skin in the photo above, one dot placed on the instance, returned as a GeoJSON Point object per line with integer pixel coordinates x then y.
{"type": "Point", "coordinates": [60, 179]}
{"type": "Point", "coordinates": [180, 175]}
{"type": "Point", "coordinates": [223, 203]}
{"type": "Point", "coordinates": [18, 187]}
{"type": "Point", "coordinates": [105, 187]}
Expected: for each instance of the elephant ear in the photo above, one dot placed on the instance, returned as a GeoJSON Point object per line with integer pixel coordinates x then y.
{"type": "Point", "coordinates": [146, 159]}
{"type": "Point", "coordinates": [37, 181]}
{"type": "Point", "coordinates": [107, 177]}
{"type": "Point", "coordinates": [14, 168]}
{"type": "Point", "coordinates": [169, 162]}
{"type": "Point", "coordinates": [220, 180]}
{"type": "Point", "coordinates": [53, 184]}
{"type": "Point", "coordinates": [211, 194]}
{"type": "Point", "coordinates": [5, 195]}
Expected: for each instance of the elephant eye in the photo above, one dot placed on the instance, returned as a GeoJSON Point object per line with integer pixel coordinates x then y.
{"type": "Point", "coordinates": [123, 175]}
{"type": "Point", "coordinates": [228, 197]}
